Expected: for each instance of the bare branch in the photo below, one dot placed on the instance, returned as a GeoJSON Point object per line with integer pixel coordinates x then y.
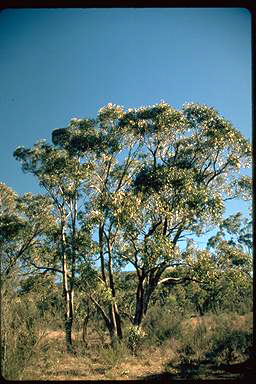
{"type": "Point", "coordinates": [46, 269]}
{"type": "Point", "coordinates": [178, 280]}
{"type": "Point", "coordinates": [102, 311]}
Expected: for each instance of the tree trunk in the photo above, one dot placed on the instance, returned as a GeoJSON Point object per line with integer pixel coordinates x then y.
{"type": "Point", "coordinates": [115, 316]}
{"type": "Point", "coordinates": [118, 322]}
{"type": "Point", "coordinates": [110, 321]}
{"type": "Point", "coordinates": [68, 326]}
{"type": "Point", "coordinates": [101, 244]}
{"type": "Point", "coordinates": [139, 302]}
{"type": "Point", "coordinates": [144, 293]}
{"type": "Point", "coordinates": [113, 328]}
{"type": "Point", "coordinates": [150, 289]}
{"type": "Point", "coordinates": [68, 294]}
{"type": "Point", "coordinates": [68, 298]}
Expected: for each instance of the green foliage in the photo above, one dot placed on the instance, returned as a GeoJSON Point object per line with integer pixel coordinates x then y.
{"type": "Point", "coordinates": [113, 357]}
{"type": "Point", "coordinates": [135, 338]}
{"type": "Point", "coordinates": [25, 223]}
{"type": "Point", "coordinates": [20, 329]}
{"type": "Point", "coordinates": [215, 340]}
{"type": "Point", "coordinates": [126, 187]}
{"type": "Point", "coordinates": [162, 323]}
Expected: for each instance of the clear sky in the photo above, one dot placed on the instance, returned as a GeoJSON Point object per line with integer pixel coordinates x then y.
{"type": "Point", "coordinates": [56, 64]}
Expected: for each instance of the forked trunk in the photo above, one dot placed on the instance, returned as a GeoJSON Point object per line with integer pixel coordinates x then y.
{"type": "Point", "coordinates": [143, 296]}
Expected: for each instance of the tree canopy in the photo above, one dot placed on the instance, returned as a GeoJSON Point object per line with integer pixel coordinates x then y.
{"type": "Point", "coordinates": [126, 188]}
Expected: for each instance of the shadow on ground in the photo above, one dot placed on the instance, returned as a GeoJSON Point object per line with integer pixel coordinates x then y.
{"type": "Point", "coordinates": [235, 373]}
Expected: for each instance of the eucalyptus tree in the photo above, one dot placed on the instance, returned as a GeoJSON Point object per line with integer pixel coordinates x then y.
{"type": "Point", "coordinates": [225, 268]}
{"type": "Point", "coordinates": [179, 169]}
{"type": "Point", "coordinates": [112, 154]}
{"type": "Point", "coordinates": [25, 223]}
{"type": "Point", "coordinates": [221, 275]}
{"type": "Point", "coordinates": [61, 175]}
{"type": "Point", "coordinates": [150, 178]}
{"type": "Point", "coordinates": [234, 231]}
{"type": "Point", "coordinates": [190, 163]}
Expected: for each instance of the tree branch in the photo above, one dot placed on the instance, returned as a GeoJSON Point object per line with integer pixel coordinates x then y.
{"type": "Point", "coordinates": [152, 230]}
{"type": "Point", "coordinates": [124, 170]}
{"type": "Point", "coordinates": [107, 321]}
{"type": "Point", "coordinates": [178, 280]}
{"type": "Point", "coordinates": [47, 268]}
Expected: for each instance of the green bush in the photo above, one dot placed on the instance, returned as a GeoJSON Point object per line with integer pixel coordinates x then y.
{"type": "Point", "coordinates": [19, 335]}
{"type": "Point", "coordinates": [216, 339]}
{"type": "Point", "coordinates": [25, 320]}
{"type": "Point", "coordinates": [111, 357]}
{"type": "Point", "coordinates": [195, 341]}
{"type": "Point", "coordinates": [161, 324]}
{"type": "Point", "coordinates": [135, 338]}
{"type": "Point", "coordinates": [231, 346]}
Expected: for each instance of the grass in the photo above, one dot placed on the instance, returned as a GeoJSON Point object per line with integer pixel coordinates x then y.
{"type": "Point", "coordinates": [191, 348]}
{"type": "Point", "coordinates": [210, 342]}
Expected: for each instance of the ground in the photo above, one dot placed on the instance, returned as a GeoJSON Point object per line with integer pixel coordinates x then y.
{"type": "Point", "coordinates": [97, 361]}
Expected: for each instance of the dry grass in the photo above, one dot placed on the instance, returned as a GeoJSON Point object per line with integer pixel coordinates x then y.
{"type": "Point", "coordinates": [97, 361]}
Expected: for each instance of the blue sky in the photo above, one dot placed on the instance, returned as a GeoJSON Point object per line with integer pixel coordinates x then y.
{"type": "Point", "coordinates": [56, 64]}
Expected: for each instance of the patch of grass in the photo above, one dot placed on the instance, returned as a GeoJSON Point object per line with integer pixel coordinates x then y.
{"type": "Point", "coordinates": [194, 348]}
{"type": "Point", "coordinates": [161, 328]}
{"type": "Point", "coordinates": [111, 357]}
{"type": "Point", "coordinates": [210, 342]}
{"type": "Point", "coordinates": [230, 347]}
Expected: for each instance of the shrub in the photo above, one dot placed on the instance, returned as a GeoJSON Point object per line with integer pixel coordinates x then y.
{"type": "Point", "coordinates": [216, 339]}
{"type": "Point", "coordinates": [135, 338]}
{"type": "Point", "coordinates": [22, 326]}
{"type": "Point", "coordinates": [233, 345]}
{"type": "Point", "coordinates": [111, 357]}
{"type": "Point", "coordinates": [19, 334]}
{"type": "Point", "coordinates": [161, 324]}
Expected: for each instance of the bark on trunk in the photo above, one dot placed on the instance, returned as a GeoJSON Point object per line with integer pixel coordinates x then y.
{"type": "Point", "coordinates": [68, 329]}
{"type": "Point", "coordinates": [139, 302]}
{"type": "Point", "coordinates": [116, 332]}
{"type": "Point", "coordinates": [68, 298]}
{"type": "Point", "coordinates": [118, 322]}
{"type": "Point", "coordinates": [147, 297]}
{"type": "Point", "coordinates": [68, 294]}
{"type": "Point", "coordinates": [146, 287]}
{"type": "Point", "coordinates": [112, 318]}
{"type": "Point", "coordinates": [101, 244]}
{"type": "Point", "coordinates": [113, 327]}
{"type": "Point", "coordinates": [109, 321]}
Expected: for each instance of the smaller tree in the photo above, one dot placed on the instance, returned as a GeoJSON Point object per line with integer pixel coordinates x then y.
{"type": "Point", "coordinates": [25, 223]}
{"type": "Point", "coordinates": [221, 276]}
{"type": "Point", "coordinates": [61, 175]}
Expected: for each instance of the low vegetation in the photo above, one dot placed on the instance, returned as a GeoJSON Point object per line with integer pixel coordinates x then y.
{"type": "Point", "coordinates": [173, 340]}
